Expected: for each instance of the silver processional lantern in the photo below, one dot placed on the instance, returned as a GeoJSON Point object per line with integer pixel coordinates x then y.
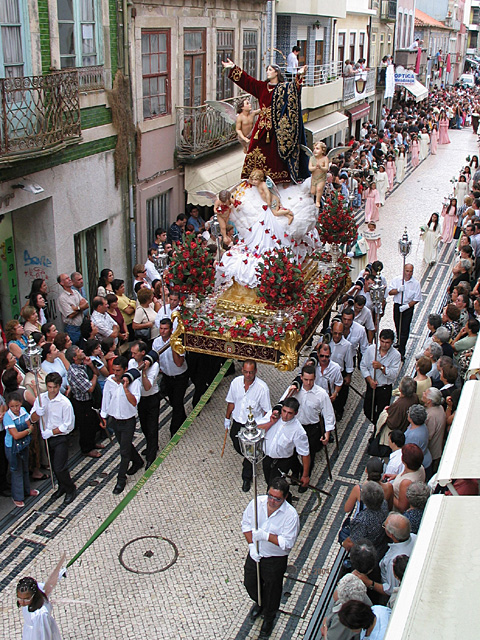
{"type": "Point", "coordinates": [161, 263]}
{"type": "Point", "coordinates": [251, 443]}
{"type": "Point", "coordinates": [377, 293]}
{"type": "Point", "coordinates": [216, 232]}
{"type": "Point", "coordinates": [404, 245]}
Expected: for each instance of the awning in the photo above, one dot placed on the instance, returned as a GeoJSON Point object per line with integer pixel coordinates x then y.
{"type": "Point", "coordinates": [418, 91]}
{"type": "Point", "coordinates": [326, 126]}
{"type": "Point", "coordinates": [438, 597]}
{"type": "Point", "coordinates": [359, 111]}
{"type": "Point", "coordinates": [221, 171]}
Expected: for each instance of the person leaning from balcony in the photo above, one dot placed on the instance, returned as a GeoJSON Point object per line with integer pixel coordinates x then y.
{"type": "Point", "coordinates": [292, 62]}
{"type": "Point", "coordinates": [58, 421]}
{"type": "Point", "coordinates": [348, 69]}
{"type": "Point", "coordinates": [106, 325]}
{"type": "Point", "coordinates": [71, 306]}
{"type": "Point", "coordinates": [177, 229]}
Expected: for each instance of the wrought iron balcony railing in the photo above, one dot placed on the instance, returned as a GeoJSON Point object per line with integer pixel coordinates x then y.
{"type": "Point", "coordinates": [361, 84]}
{"type": "Point", "coordinates": [91, 78]}
{"type": "Point", "coordinates": [202, 129]}
{"type": "Point", "coordinates": [388, 10]}
{"type": "Point", "coordinates": [38, 114]}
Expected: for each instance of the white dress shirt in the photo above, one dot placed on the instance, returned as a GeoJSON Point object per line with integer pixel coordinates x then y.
{"type": "Point", "coordinates": [166, 313]}
{"type": "Point", "coordinates": [151, 272]}
{"type": "Point", "coordinates": [284, 523]}
{"type": "Point", "coordinates": [365, 319]}
{"type": "Point", "coordinates": [283, 438]}
{"type": "Point", "coordinates": [342, 354]}
{"type": "Point", "coordinates": [330, 378]}
{"type": "Point", "coordinates": [58, 413]}
{"type": "Point", "coordinates": [165, 359]}
{"type": "Point", "coordinates": [386, 563]}
{"type": "Point", "coordinates": [412, 292]}
{"type": "Point", "coordinates": [392, 362]}
{"type": "Point", "coordinates": [357, 338]}
{"type": "Point", "coordinates": [104, 323]}
{"type": "Point", "coordinates": [395, 464]}
{"type": "Point", "coordinates": [256, 396]}
{"type": "Point", "coordinates": [152, 375]}
{"type": "Point", "coordinates": [115, 402]}
{"type": "Point", "coordinates": [56, 366]}
{"type": "Point", "coordinates": [312, 404]}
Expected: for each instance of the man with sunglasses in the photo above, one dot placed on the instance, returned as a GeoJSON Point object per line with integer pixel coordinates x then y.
{"type": "Point", "coordinates": [328, 374]}
{"type": "Point", "coordinates": [269, 545]}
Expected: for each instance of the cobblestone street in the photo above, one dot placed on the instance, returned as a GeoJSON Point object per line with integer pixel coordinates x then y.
{"type": "Point", "coordinates": [170, 566]}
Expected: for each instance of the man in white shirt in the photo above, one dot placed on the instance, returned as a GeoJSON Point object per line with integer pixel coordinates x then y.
{"type": "Point", "coordinates": [342, 354]}
{"type": "Point", "coordinates": [71, 306]}
{"type": "Point", "coordinates": [58, 420]}
{"type": "Point", "coordinates": [106, 325]}
{"type": "Point", "coordinates": [406, 293]}
{"type": "Point", "coordinates": [354, 332]}
{"type": "Point", "coordinates": [173, 305]}
{"type": "Point", "coordinates": [174, 371]}
{"type": "Point", "coordinates": [315, 414]}
{"type": "Point", "coordinates": [363, 315]}
{"type": "Point", "coordinates": [278, 528]}
{"type": "Point", "coordinates": [149, 405]}
{"type": "Point", "coordinates": [284, 439]}
{"type": "Point", "coordinates": [245, 391]}
{"type": "Point", "coordinates": [119, 403]}
{"type": "Point", "coordinates": [380, 374]}
{"type": "Point", "coordinates": [150, 269]}
{"type": "Point", "coordinates": [328, 374]}
{"type": "Point", "coordinates": [292, 63]}
{"type": "Point", "coordinates": [396, 440]}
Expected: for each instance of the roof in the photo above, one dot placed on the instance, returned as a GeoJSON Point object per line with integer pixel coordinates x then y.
{"type": "Point", "coordinates": [422, 19]}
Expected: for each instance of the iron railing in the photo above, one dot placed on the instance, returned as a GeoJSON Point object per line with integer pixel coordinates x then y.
{"type": "Point", "coordinates": [320, 73]}
{"type": "Point", "coordinates": [38, 113]}
{"type": "Point", "coordinates": [388, 10]}
{"type": "Point", "coordinates": [91, 78]}
{"type": "Point", "coordinates": [360, 85]}
{"type": "Point", "coordinates": [202, 129]}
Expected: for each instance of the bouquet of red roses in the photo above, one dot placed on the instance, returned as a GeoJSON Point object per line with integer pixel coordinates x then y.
{"type": "Point", "coordinates": [336, 225]}
{"type": "Point", "coordinates": [191, 269]}
{"type": "Point", "coordinates": [281, 280]}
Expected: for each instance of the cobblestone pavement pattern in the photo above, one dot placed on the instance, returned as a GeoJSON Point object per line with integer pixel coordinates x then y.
{"type": "Point", "coordinates": [195, 500]}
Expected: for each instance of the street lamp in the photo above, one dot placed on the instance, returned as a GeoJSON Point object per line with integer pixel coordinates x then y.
{"type": "Point", "coordinates": [161, 263]}
{"type": "Point", "coordinates": [377, 295]}
{"type": "Point", "coordinates": [404, 247]}
{"type": "Point", "coordinates": [251, 443]}
{"type": "Point", "coordinates": [33, 358]}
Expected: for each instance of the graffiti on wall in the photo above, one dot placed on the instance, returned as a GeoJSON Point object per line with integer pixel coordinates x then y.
{"type": "Point", "coordinates": [37, 267]}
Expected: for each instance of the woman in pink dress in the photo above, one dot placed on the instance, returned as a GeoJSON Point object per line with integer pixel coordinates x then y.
{"type": "Point", "coordinates": [450, 220]}
{"type": "Point", "coordinates": [372, 236]}
{"type": "Point", "coordinates": [415, 151]}
{"type": "Point", "coordinates": [391, 171]}
{"type": "Point", "coordinates": [372, 203]}
{"type": "Point", "coordinates": [443, 129]}
{"type": "Point", "coordinates": [434, 140]}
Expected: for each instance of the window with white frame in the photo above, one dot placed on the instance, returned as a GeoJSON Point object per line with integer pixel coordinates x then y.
{"type": "Point", "coordinates": [12, 39]}
{"type": "Point", "coordinates": [79, 31]}
{"type": "Point", "coordinates": [156, 73]}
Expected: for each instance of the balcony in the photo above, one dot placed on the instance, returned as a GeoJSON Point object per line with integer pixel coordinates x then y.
{"type": "Point", "coordinates": [91, 78]}
{"type": "Point", "coordinates": [324, 8]}
{"type": "Point", "coordinates": [359, 86]}
{"type": "Point", "coordinates": [388, 10]}
{"type": "Point", "coordinates": [323, 85]}
{"type": "Point", "coordinates": [201, 130]}
{"type": "Point", "coordinates": [408, 59]}
{"type": "Point", "coordinates": [39, 114]}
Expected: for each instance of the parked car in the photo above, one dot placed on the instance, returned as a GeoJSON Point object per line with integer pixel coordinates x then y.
{"type": "Point", "coordinates": [467, 80]}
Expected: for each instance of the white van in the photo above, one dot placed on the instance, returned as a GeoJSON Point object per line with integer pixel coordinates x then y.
{"type": "Point", "coordinates": [467, 80]}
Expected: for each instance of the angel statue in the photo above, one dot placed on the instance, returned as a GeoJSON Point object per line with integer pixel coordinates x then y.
{"type": "Point", "coordinates": [269, 194]}
{"type": "Point", "coordinates": [243, 118]}
{"type": "Point", "coordinates": [274, 145]}
{"type": "Point", "coordinates": [318, 164]}
{"type": "Point", "coordinates": [222, 206]}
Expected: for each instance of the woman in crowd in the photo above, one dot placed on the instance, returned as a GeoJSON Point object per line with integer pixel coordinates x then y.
{"type": "Point", "coordinates": [369, 622]}
{"type": "Point", "coordinates": [412, 458]}
{"type": "Point", "coordinates": [17, 340]}
{"type": "Point", "coordinates": [30, 315]}
{"type": "Point", "coordinates": [144, 318]}
{"type": "Point", "coordinates": [88, 331]}
{"type": "Point", "coordinates": [125, 304]}
{"type": "Point", "coordinates": [93, 350]}
{"type": "Point", "coordinates": [434, 140]}
{"type": "Point", "coordinates": [372, 203]}
{"type": "Point", "coordinates": [117, 315]}
{"type": "Point", "coordinates": [431, 235]}
{"type": "Point", "coordinates": [417, 495]}
{"type": "Point", "coordinates": [105, 282]}
{"type": "Point", "coordinates": [348, 588]}
{"type": "Point", "coordinates": [422, 366]}
{"type": "Point", "coordinates": [395, 415]}
{"type": "Point", "coordinates": [417, 433]}
{"type": "Point", "coordinates": [368, 522]}
{"type": "Point", "coordinates": [40, 304]}
{"type": "Point", "coordinates": [374, 471]}
{"type": "Point", "coordinates": [400, 165]}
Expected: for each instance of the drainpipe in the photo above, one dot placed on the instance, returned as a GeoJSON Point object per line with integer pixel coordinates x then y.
{"type": "Point", "coordinates": [272, 31]}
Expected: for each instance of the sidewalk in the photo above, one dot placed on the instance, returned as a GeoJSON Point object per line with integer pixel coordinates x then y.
{"type": "Point", "coordinates": [190, 585]}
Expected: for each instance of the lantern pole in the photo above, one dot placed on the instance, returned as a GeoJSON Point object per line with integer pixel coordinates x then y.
{"type": "Point", "coordinates": [377, 294]}
{"type": "Point", "coordinates": [404, 247]}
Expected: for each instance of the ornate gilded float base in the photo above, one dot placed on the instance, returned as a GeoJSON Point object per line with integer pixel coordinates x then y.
{"type": "Point", "coordinates": [242, 300]}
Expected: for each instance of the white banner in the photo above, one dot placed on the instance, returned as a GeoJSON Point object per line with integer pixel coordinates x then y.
{"type": "Point", "coordinates": [389, 81]}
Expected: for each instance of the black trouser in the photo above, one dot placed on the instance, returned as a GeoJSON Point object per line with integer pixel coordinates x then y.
{"type": "Point", "coordinates": [202, 369]}
{"type": "Point", "coordinates": [86, 419]}
{"type": "Point", "coordinates": [382, 399]}
{"type": "Point", "coordinates": [58, 447]}
{"type": "Point", "coordinates": [403, 331]}
{"type": "Point", "coordinates": [3, 462]}
{"type": "Point", "coordinates": [175, 388]}
{"type": "Point", "coordinates": [271, 577]}
{"type": "Point", "coordinates": [341, 400]}
{"type": "Point", "coordinates": [148, 413]}
{"type": "Point", "coordinates": [247, 470]}
{"type": "Point", "coordinates": [273, 466]}
{"type": "Point", "coordinates": [313, 431]}
{"type": "Point", "coordinates": [124, 430]}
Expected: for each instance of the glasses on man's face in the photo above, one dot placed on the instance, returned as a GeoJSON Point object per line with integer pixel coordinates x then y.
{"type": "Point", "coordinates": [323, 356]}
{"type": "Point", "coordinates": [274, 498]}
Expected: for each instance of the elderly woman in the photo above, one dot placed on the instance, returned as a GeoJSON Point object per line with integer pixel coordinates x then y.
{"type": "Point", "coordinates": [348, 588]}
{"type": "Point", "coordinates": [417, 495]}
{"type": "Point", "coordinates": [442, 337]}
{"type": "Point", "coordinates": [412, 458]}
{"type": "Point", "coordinates": [368, 523]}
{"type": "Point", "coordinates": [397, 412]}
{"type": "Point", "coordinates": [369, 622]}
{"type": "Point", "coordinates": [436, 422]}
{"type": "Point", "coordinates": [16, 338]}
{"type": "Point", "coordinates": [417, 433]}
{"type": "Point", "coordinates": [374, 471]}
{"type": "Point", "coordinates": [30, 315]}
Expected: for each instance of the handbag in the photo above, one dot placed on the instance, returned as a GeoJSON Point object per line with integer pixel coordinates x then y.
{"type": "Point", "coordinates": [144, 334]}
{"type": "Point", "coordinates": [22, 443]}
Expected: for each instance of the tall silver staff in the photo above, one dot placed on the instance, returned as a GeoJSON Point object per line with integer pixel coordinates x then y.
{"type": "Point", "coordinates": [404, 246]}
{"type": "Point", "coordinates": [33, 358]}
{"type": "Point", "coordinates": [251, 443]}
{"type": "Point", "coordinates": [161, 263]}
{"type": "Point", "coordinates": [377, 294]}
{"type": "Point", "coordinates": [216, 232]}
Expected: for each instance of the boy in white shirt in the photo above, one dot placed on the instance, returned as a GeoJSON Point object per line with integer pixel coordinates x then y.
{"type": "Point", "coordinates": [396, 440]}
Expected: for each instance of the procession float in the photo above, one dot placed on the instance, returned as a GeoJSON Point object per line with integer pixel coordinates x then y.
{"type": "Point", "coordinates": [265, 296]}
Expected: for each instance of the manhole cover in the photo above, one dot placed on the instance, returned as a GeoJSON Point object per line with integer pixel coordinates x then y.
{"type": "Point", "coordinates": [148, 554]}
